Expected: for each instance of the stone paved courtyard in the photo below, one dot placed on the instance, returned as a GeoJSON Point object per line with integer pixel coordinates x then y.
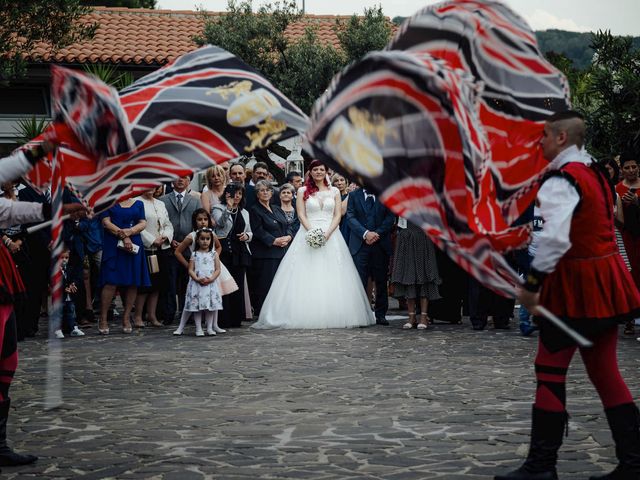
{"type": "Point", "coordinates": [375, 403]}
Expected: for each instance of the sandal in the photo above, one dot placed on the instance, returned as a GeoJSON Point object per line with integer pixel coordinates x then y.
{"type": "Point", "coordinates": [411, 323]}
{"type": "Point", "coordinates": [424, 322]}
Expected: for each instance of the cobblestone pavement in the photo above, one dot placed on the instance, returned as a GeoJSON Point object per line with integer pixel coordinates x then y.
{"type": "Point", "coordinates": [376, 403]}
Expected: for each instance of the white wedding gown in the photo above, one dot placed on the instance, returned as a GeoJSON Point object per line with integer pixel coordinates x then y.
{"type": "Point", "coordinates": [317, 287]}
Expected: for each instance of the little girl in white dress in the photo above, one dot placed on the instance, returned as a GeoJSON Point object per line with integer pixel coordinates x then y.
{"type": "Point", "coordinates": [199, 220]}
{"type": "Point", "coordinates": [203, 291]}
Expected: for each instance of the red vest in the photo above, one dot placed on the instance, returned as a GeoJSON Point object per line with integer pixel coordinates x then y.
{"type": "Point", "coordinates": [592, 230]}
{"type": "Point", "coordinates": [590, 280]}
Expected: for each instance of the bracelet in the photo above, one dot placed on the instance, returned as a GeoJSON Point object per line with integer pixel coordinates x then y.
{"type": "Point", "coordinates": [7, 241]}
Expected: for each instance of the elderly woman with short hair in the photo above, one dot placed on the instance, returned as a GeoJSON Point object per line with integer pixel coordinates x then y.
{"type": "Point", "coordinates": [287, 192]}
{"type": "Point", "coordinates": [272, 234]}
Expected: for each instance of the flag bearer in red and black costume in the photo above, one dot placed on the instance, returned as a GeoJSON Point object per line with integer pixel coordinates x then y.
{"type": "Point", "coordinates": [11, 286]}
{"type": "Point", "coordinates": [578, 274]}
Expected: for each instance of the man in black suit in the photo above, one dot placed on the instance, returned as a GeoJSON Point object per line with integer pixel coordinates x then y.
{"type": "Point", "coordinates": [37, 276]}
{"type": "Point", "coordinates": [370, 225]}
{"type": "Point", "coordinates": [260, 172]}
{"type": "Point", "coordinates": [295, 179]}
{"type": "Point", "coordinates": [180, 206]}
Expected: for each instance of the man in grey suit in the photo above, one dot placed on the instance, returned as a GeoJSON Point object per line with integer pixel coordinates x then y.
{"type": "Point", "coordinates": [180, 205]}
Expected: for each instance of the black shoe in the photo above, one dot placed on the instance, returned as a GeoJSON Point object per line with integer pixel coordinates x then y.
{"type": "Point", "coordinates": [501, 326]}
{"type": "Point", "coordinates": [624, 421]}
{"type": "Point", "coordinates": [9, 458]}
{"type": "Point", "coordinates": [381, 321]}
{"type": "Point", "coordinates": [478, 323]}
{"type": "Point", "coordinates": [500, 322]}
{"type": "Point", "coordinates": [547, 429]}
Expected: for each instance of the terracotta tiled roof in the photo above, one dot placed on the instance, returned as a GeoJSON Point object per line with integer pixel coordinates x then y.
{"type": "Point", "coordinates": [155, 37]}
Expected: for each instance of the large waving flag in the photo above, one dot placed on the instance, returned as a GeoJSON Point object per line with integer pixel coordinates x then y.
{"type": "Point", "coordinates": [445, 125]}
{"type": "Point", "coordinates": [207, 107]}
{"type": "Point", "coordinates": [91, 113]}
{"type": "Point", "coordinates": [405, 126]}
{"type": "Point", "coordinates": [520, 88]}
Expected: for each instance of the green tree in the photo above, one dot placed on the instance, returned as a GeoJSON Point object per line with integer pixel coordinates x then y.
{"type": "Point", "coordinates": [361, 35]}
{"type": "Point", "coordinates": [24, 24]}
{"type": "Point", "coordinates": [120, 3]}
{"type": "Point", "coordinates": [258, 38]}
{"type": "Point", "coordinates": [614, 92]}
{"type": "Point", "coordinates": [579, 80]}
{"type": "Point", "coordinates": [313, 65]}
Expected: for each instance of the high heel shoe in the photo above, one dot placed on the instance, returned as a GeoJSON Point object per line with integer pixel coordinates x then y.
{"type": "Point", "coordinates": [103, 331]}
{"type": "Point", "coordinates": [424, 322]}
{"type": "Point", "coordinates": [219, 330]}
{"type": "Point", "coordinates": [411, 323]}
{"type": "Point", "coordinates": [127, 329]}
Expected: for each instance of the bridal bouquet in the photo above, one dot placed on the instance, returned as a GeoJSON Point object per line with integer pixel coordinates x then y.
{"type": "Point", "coordinates": [315, 238]}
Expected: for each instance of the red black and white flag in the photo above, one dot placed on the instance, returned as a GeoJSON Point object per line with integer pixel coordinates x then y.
{"type": "Point", "coordinates": [447, 132]}
{"type": "Point", "coordinates": [206, 107]}
{"type": "Point", "coordinates": [519, 87]}
{"type": "Point", "coordinates": [91, 111]}
{"type": "Point", "coordinates": [405, 126]}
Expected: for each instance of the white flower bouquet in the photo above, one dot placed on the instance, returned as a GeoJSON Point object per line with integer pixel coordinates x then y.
{"type": "Point", "coordinates": [315, 238]}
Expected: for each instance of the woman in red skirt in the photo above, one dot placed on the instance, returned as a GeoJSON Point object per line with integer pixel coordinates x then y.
{"type": "Point", "coordinates": [628, 214]}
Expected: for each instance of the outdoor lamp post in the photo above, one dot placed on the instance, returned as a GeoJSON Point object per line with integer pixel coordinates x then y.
{"type": "Point", "coordinates": [294, 162]}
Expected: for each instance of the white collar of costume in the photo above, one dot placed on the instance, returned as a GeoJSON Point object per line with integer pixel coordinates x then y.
{"type": "Point", "coordinates": [571, 154]}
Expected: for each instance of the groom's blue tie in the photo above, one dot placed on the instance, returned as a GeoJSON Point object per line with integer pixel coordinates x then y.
{"type": "Point", "coordinates": [369, 202]}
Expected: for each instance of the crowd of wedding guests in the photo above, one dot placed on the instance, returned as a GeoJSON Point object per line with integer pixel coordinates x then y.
{"type": "Point", "coordinates": [140, 249]}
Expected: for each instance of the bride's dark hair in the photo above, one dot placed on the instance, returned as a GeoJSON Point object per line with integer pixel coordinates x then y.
{"type": "Point", "coordinates": [310, 183]}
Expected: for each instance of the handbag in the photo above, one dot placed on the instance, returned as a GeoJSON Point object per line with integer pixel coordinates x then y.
{"type": "Point", "coordinates": [152, 262]}
{"type": "Point", "coordinates": [134, 251]}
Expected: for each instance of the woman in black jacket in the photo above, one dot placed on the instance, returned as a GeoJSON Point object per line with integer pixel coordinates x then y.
{"type": "Point", "coordinates": [272, 235]}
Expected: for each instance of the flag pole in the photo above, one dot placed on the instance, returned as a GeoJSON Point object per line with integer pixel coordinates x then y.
{"type": "Point", "coordinates": [48, 223]}
{"type": "Point", "coordinates": [53, 393]}
{"type": "Point", "coordinates": [580, 340]}
{"type": "Point", "coordinates": [543, 312]}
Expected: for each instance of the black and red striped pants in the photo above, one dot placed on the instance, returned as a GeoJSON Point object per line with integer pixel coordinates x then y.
{"type": "Point", "coordinates": [8, 349]}
{"type": "Point", "coordinates": [601, 363]}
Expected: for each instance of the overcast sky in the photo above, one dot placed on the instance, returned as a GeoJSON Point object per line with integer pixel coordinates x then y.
{"type": "Point", "coordinates": [622, 17]}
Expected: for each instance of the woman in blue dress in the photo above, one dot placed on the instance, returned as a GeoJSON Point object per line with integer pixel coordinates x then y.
{"type": "Point", "coordinates": [120, 265]}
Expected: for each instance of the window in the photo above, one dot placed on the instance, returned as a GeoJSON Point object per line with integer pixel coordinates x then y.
{"type": "Point", "coordinates": [24, 101]}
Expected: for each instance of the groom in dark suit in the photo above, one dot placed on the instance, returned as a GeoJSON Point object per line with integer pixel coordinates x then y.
{"type": "Point", "coordinates": [370, 225]}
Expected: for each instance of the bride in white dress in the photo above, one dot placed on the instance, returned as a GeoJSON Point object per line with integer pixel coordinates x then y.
{"type": "Point", "coordinates": [317, 287]}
